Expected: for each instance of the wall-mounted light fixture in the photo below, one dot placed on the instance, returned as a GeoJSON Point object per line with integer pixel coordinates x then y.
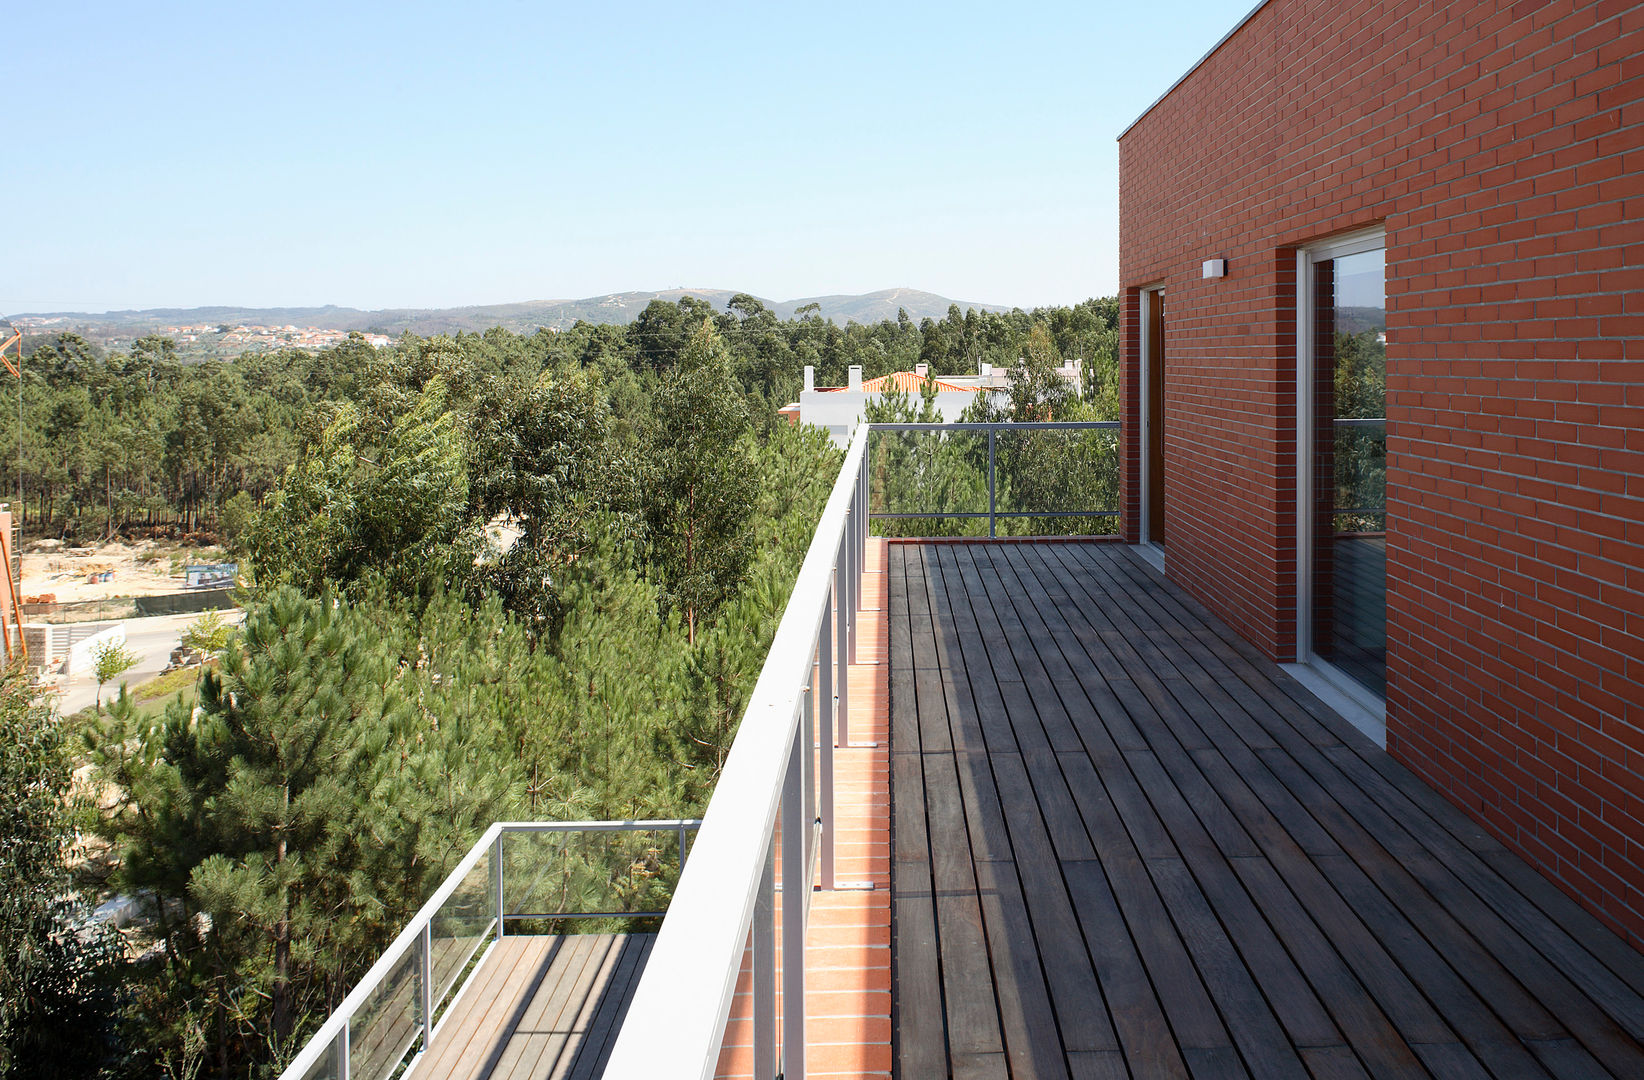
{"type": "Point", "coordinates": [1215, 268]}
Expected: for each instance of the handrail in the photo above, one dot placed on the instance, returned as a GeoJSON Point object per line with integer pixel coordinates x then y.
{"type": "Point", "coordinates": [992, 430]}
{"type": "Point", "coordinates": [676, 1020]}
{"type": "Point", "coordinates": [333, 1034]}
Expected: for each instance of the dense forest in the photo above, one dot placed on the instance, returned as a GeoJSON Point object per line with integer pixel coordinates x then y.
{"type": "Point", "coordinates": [142, 440]}
{"type": "Point", "coordinates": [491, 576]}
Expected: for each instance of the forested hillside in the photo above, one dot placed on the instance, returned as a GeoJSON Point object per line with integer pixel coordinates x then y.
{"type": "Point", "coordinates": [491, 576]}
{"type": "Point", "coordinates": [140, 439]}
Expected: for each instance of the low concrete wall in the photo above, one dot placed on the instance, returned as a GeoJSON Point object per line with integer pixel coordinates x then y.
{"type": "Point", "coordinates": [82, 654]}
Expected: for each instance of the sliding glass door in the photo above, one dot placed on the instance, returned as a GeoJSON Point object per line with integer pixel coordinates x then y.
{"type": "Point", "coordinates": [1342, 459]}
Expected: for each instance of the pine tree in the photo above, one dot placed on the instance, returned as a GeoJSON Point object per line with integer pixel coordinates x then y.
{"type": "Point", "coordinates": [304, 812]}
{"type": "Point", "coordinates": [57, 968]}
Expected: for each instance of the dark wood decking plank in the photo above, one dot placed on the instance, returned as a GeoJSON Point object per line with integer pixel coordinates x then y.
{"type": "Point", "coordinates": [1267, 966]}
{"type": "Point", "coordinates": [1081, 1013]}
{"type": "Point", "coordinates": [1452, 1001]}
{"type": "Point", "coordinates": [967, 985]}
{"type": "Point", "coordinates": [917, 604]}
{"type": "Point", "coordinates": [919, 1030]}
{"type": "Point", "coordinates": [898, 620]}
{"type": "Point", "coordinates": [1280, 847]}
{"type": "Point", "coordinates": [535, 1040]}
{"type": "Point", "coordinates": [467, 1013]}
{"type": "Point", "coordinates": [489, 1004]}
{"type": "Point", "coordinates": [1032, 1046]}
{"type": "Point", "coordinates": [1360, 815]}
{"type": "Point", "coordinates": [1143, 1030]}
{"type": "Point", "coordinates": [584, 1005]}
{"type": "Point", "coordinates": [1174, 976]}
{"type": "Point", "coordinates": [1353, 1008]}
{"type": "Point", "coordinates": [1309, 903]}
{"type": "Point", "coordinates": [1219, 737]}
{"type": "Point", "coordinates": [982, 687]}
{"type": "Point", "coordinates": [483, 1057]}
{"type": "Point", "coordinates": [613, 1008]}
{"type": "Point", "coordinates": [1436, 979]}
{"type": "Point", "coordinates": [1249, 1017]}
{"type": "Point", "coordinates": [1217, 818]}
{"type": "Point", "coordinates": [964, 723]}
{"type": "Point", "coordinates": [1332, 1063]}
{"type": "Point", "coordinates": [902, 670]}
{"type": "Point", "coordinates": [1416, 1021]}
{"type": "Point", "coordinates": [1025, 1017]}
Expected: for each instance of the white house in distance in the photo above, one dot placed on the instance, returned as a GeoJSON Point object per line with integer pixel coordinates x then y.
{"type": "Point", "coordinates": [839, 408]}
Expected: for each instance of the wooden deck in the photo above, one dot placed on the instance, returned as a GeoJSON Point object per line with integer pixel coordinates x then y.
{"type": "Point", "coordinates": [1126, 845]}
{"type": "Point", "coordinates": [539, 1008]}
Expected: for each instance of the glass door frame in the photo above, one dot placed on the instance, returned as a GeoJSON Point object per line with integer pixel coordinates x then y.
{"type": "Point", "coordinates": [1307, 259]}
{"type": "Point", "coordinates": [1149, 296]}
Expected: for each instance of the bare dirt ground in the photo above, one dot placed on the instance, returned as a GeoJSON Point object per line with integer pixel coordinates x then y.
{"type": "Point", "coordinates": [142, 568]}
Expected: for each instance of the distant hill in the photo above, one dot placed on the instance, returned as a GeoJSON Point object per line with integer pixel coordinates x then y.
{"type": "Point", "coordinates": [523, 317]}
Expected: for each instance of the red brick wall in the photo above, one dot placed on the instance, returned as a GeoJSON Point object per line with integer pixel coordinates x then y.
{"type": "Point", "coordinates": [1502, 147]}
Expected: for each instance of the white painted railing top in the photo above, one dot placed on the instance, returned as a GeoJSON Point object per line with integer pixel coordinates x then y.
{"type": "Point", "coordinates": [675, 1023]}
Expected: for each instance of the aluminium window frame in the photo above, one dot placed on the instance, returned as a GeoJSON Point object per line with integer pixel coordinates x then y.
{"type": "Point", "coordinates": [1148, 296]}
{"type": "Point", "coordinates": [1308, 256]}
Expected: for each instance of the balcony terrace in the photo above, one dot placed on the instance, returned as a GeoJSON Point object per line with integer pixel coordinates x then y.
{"type": "Point", "coordinates": [1046, 817]}
{"type": "Point", "coordinates": [1127, 845]}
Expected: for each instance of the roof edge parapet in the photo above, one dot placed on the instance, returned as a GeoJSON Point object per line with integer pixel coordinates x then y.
{"type": "Point", "coordinates": [1196, 65]}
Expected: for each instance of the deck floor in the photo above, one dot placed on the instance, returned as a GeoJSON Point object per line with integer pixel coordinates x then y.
{"type": "Point", "coordinates": [1127, 845]}
{"type": "Point", "coordinates": [539, 1007]}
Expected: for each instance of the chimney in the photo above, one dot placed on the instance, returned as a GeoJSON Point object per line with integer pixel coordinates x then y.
{"type": "Point", "coordinates": [984, 369]}
{"type": "Point", "coordinates": [856, 377]}
{"type": "Point", "coordinates": [810, 377]}
{"type": "Point", "coordinates": [921, 370]}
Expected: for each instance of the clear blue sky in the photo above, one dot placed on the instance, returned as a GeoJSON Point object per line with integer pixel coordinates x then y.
{"type": "Point", "coordinates": [432, 155]}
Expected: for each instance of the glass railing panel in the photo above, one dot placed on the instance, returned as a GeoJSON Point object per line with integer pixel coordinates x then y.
{"type": "Point", "coordinates": [1069, 472]}
{"type": "Point", "coordinates": [606, 872]}
{"type": "Point", "coordinates": [386, 1024]}
{"type": "Point", "coordinates": [920, 472]}
{"type": "Point", "coordinates": [323, 1069]}
{"type": "Point", "coordinates": [460, 926]}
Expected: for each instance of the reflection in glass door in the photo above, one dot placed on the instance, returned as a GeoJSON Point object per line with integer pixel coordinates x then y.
{"type": "Point", "coordinates": [1345, 594]}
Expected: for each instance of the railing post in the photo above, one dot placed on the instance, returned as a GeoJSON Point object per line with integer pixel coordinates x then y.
{"type": "Point", "coordinates": [343, 1052]}
{"type": "Point", "coordinates": [867, 503]}
{"type": "Point", "coordinates": [796, 889]}
{"type": "Point", "coordinates": [991, 531]}
{"type": "Point", "coordinates": [764, 969]}
{"type": "Point", "coordinates": [842, 652]}
{"type": "Point", "coordinates": [682, 849]}
{"type": "Point", "coordinates": [807, 725]}
{"type": "Point", "coordinates": [496, 861]}
{"type": "Point", "coordinates": [853, 575]}
{"type": "Point", "coordinates": [824, 672]}
{"type": "Point", "coordinates": [425, 981]}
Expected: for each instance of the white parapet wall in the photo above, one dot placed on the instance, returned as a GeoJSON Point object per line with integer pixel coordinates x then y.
{"type": "Point", "coordinates": [82, 655]}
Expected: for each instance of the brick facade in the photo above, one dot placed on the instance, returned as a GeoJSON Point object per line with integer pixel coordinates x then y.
{"type": "Point", "coordinates": [1501, 145]}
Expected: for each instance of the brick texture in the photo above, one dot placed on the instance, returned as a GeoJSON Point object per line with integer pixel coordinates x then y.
{"type": "Point", "coordinates": [1501, 145]}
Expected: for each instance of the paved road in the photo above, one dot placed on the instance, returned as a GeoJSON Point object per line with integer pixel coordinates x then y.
{"type": "Point", "coordinates": [151, 639]}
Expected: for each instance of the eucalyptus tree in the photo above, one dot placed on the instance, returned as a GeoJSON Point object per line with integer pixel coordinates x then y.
{"type": "Point", "coordinates": [704, 484]}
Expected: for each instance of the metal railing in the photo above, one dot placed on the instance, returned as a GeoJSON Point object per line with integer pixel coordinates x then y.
{"type": "Point", "coordinates": [990, 474]}
{"type": "Point", "coordinates": [774, 797]}
{"type": "Point", "coordinates": [399, 1005]}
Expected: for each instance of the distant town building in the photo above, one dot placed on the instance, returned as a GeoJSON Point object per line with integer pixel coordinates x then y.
{"type": "Point", "coordinates": [840, 408]}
